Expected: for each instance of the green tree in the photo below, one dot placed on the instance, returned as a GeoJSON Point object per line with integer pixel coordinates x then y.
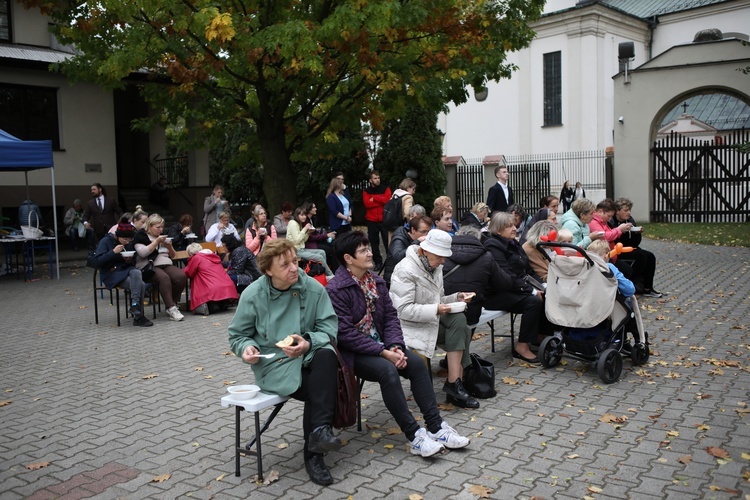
{"type": "Point", "coordinates": [300, 71]}
{"type": "Point", "coordinates": [413, 144]}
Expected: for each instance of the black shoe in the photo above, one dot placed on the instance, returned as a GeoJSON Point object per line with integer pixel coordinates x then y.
{"type": "Point", "coordinates": [458, 395]}
{"type": "Point", "coordinates": [533, 360]}
{"type": "Point", "coordinates": [317, 470]}
{"type": "Point", "coordinates": [322, 440]}
{"type": "Point", "coordinates": [142, 321]}
{"type": "Point", "coordinates": [443, 363]}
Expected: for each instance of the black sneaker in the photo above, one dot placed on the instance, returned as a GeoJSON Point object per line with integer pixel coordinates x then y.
{"type": "Point", "coordinates": [457, 395]}
{"type": "Point", "coordinates": [142, 321]}
{"type": "Point", "coordinates": [318, 471]}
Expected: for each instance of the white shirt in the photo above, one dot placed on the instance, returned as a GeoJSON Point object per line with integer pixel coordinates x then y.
{"type": "Point", "coordinates": [505, 190]}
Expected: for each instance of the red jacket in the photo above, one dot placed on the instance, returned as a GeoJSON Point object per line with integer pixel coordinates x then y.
{"type": "Point", "coordinates": [374, 200]}
{"type": "Point", "coordinates": [209, 280]}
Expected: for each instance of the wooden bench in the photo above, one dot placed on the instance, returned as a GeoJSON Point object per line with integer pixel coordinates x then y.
{"type": "Point", "coordinates": [260, 402]}
{"type": "Point", "coordinates": [489, 317]}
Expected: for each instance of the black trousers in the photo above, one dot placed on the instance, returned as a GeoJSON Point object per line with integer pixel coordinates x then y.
{"type": "Point", "coordinates": [641, 267]}
{"type": "Point", "coordinates": [533, 319]}
{"type": "Point", "coordinates": [376, 232]}
{"type": "Point", "coordinates": [318, 391]}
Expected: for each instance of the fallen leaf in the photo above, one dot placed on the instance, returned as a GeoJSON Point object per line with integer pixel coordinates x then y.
{"type": "Point", "coordinates": [37, 465]}
{"type": "Point", "coordinates": [376, 435]}
{"type": "Point", "coordinates": [530, 399]}
{"type": "Point", "coordinates": [717, 452]}
{"type": "Point", "coordinates": [161, 479]}
{"type": "Point", "coordinates": [510, 381]}
{"type": "Point", "coordinates": [229, 382]}
{"type": "Point", "coordinates": [83, 307]}
{"type": "Point", "coordinates": [673, 433]}
{"type": "Point", "coordinates": [574, 455]}
{"type": "Point", "coordinates": [150, 376]}
{"type": "Point", "coordinates": [199, 368]}
{"type": "Point", "coordinates": [220, 477]}
{"type": "Point", "coordinates": [6, 402]}
{"type": "Point", "coordinates": [746, 456]}
{"type": "Point", "coordinates": [685, 459]}
{"type": "Point", "coordinates": [208, 377]}
{"type": "Point", "coordinates": [388, 446]}
{"type": "Point", "coordinates": [414, 496]}
{"type": "Point", "coordinates": [480, 491]}
{"type": "Point", "coordinates": [702, 427]}
{"type": "Point", "coordinates": [609, 418]}
{"type": "Point", "coordinates": [392, 431]}
{"type": "Point", "coordinates": [446, 407]}
{"type": "Point", "coordinates": [272, 477]}
{"type": "Point", "coordinates": [196, 444]}
{"type": "Point", "coordinates": [281, 446]}
{"type": "Point", "coordinates": [594, 489]}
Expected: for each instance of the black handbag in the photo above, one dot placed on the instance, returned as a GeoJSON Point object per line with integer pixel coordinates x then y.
{"type": "Point", "coordinates": [479, 378]}
{"type": "Point", "coordinates": [147, 271]}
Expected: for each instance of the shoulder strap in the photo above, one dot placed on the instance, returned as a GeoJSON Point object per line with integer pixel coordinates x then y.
{"type": "Point", "coordinates": [451, 271]}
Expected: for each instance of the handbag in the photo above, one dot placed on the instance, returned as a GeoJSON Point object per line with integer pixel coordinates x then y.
{"type": "Point", "coordinates": [345, 414]}
{"type": "Point", "coordinates": [147, 271]}
{"type": "Point", "coordinates": [479, 378]}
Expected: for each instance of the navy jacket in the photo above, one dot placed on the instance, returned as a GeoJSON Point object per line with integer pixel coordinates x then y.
{"type": "Point", "coordinates": [477, 273]}
{"type": "Point", "coordinates": [112, 266]}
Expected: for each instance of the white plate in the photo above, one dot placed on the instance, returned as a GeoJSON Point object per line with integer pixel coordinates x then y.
{"type": "Point", "coordinates": [636, 229]}
{"type": "Point", "coordinates": [191, 235]}
{"type": "Point", "coordinates": [127, 254]}
{"type": "Point", "coordinates": [457, 307]}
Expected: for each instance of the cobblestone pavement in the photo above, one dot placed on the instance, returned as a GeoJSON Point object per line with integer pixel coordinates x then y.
{"type": "Point", "coordinates": [103, 411]}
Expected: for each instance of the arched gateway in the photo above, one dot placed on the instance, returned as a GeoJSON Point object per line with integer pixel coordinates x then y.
{"type": "Point", "coordinates": [708, 181]}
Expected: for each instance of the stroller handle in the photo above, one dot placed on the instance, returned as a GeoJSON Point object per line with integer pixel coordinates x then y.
{"type": "Point", "coordinates": [555, 244]}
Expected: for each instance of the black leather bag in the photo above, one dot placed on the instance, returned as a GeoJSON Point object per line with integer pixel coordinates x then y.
{"type": "Point", "coordinates": [479, 378]}
{"type": "Point", "coordinates": [147, 271]}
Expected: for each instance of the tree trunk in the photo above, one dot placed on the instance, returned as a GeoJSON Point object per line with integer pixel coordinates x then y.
{"type": "Point", "coordinates": [279, 179]}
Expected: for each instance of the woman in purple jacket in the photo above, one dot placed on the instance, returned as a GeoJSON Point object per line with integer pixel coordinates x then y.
{"type": "Point", "coordinates": [371, 342]}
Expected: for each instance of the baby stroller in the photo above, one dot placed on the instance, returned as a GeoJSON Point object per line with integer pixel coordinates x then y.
{"type": "Point", "coordinates": [582, 298]}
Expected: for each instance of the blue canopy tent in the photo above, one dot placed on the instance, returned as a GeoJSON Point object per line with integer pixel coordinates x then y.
{"type": "Point", "coordinates": [21, 156]}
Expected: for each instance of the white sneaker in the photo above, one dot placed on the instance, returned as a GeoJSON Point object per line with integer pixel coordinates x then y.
{"type": "Point", "coordinates": [448, 437]}
{"type": "Point", "coordinates": [174, 314]}
{"type": "Point", "coordinates": [424, 445]}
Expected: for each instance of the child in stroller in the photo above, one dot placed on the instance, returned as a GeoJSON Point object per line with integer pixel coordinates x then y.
{"type": "Point", "coordinates": [582, 297]}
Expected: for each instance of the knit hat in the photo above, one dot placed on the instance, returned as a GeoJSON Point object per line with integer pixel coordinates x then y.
{"type": "Point", "coordinates": [125, 230]}
{"type": "Point", "coordinates": [437, 242]}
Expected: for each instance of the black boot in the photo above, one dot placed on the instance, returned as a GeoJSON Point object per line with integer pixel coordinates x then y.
{"type": "Point", "coordinates": [458, 395]}
{"type": "Point", "coordinates": [322, 440]}
{"type": "Point", "coordinates": [318, 471]}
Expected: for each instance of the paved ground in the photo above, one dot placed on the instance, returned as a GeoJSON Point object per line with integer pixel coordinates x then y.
{"type": "Point", "coordinates": [103, 411]}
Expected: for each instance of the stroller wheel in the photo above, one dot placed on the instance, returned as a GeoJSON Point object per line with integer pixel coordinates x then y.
{"type": "Point", "coordinates": [550, 352]}
{"type": "Point", "coordinates": [609, 366]}
{"type": "Point", "coordinates": [639, 354]}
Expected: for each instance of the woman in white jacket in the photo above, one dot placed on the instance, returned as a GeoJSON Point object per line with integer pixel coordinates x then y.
{"type": "Point", "coordinates": [425, 314]}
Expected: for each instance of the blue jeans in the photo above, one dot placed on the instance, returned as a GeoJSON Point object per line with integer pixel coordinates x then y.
{"type": "Point", "coordinates": [134, 283]}
{"type": "Point", "coordinates": [382, 371]}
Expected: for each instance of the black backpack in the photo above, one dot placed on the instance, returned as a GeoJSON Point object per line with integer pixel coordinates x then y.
{"type": "Point", "coordinates": [393, 217]}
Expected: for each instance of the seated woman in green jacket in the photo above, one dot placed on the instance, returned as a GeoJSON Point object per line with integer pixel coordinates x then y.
{"type": "Point", "coordinates": [286, 302]}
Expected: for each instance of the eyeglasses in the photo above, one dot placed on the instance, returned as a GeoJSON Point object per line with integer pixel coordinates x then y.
{"type": "Point", "coordinates": [423, 231]}
{"type": "Point", "coordinates": [364, 251]}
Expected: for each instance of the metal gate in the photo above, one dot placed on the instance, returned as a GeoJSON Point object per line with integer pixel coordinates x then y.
{"type": "Point", "coordinates": [469, 186]}
{"type": "Point", "coordinates": [701, 180]}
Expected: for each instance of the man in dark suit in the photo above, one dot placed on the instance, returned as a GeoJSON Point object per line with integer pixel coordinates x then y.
{"type": "Point", "coordinates": [500, 196]}
{"type": "Point", "coordinates": [102, 212]}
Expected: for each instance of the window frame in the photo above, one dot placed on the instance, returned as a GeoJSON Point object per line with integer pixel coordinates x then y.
{"type": "Point", "coordinates": [9, 17]}
{"type": "Point", "coordinates": [552, 88]}
{"type": "Point", "coordinates": [25, 128]}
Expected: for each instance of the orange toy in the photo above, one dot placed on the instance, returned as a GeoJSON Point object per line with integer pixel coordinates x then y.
{"type": "Point", "coordinates": [618, 249]}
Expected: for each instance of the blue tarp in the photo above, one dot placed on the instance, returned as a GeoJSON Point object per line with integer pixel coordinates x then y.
{"type": "Point", "coordinates": [18, 156]}
{"type": "Point", "coordinates": [21, 156]}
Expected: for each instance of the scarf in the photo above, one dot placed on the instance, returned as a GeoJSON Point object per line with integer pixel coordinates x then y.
{"type": "Point", "coordinates": [366, 325]}
{"type": "Point", "coordinates": [426, 264]}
